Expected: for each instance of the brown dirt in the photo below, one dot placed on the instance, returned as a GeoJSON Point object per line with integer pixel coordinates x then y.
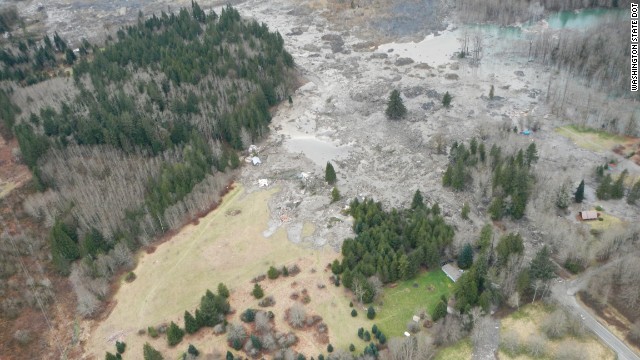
{"type": "Point", "coordinates": [12, 174]}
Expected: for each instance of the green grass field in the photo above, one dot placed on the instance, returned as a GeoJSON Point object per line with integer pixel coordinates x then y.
{"type": "Point", "coordinates": [590, 139]}
{"type": "Point", "coordinates": [405, 300]}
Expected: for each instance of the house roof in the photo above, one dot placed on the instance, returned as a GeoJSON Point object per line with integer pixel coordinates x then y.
{"type": "Point", "coordinates": [589, 215]}
{"type": "Point", "coordinates": [452, 271]}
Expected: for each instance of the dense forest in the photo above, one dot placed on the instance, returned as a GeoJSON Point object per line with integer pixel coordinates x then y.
{"type": "Point", "coordinates": [391, 245]}
{"type": "Point", "coordinates": [148, 142]}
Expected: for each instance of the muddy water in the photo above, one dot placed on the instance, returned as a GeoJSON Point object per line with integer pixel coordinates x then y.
{"type": "Point", "coordinates": [438, 49]}
{"type": "Point", "coordinates": [317, 150]}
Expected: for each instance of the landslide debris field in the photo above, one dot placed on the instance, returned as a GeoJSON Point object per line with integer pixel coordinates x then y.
{"type": "Point", "coordinates": [349, 60]}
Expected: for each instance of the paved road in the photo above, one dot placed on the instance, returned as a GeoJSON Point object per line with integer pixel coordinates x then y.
{"type": "Point", "coordinates": [565, 293]}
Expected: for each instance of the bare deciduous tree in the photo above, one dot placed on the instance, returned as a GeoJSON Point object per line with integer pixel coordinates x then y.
{"type": "Point", "coordinates": [297, 316]}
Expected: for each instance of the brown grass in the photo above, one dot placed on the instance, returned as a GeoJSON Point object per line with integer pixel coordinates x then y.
{"type": "Point", "coordinates": [232, 250]}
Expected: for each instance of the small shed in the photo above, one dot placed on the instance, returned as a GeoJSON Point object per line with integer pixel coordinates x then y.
{"type": "Point", "coordinates": [589, 215]}
{"type": "Point", "coordinates": [256, 161]}
{"type": "Point", "coordinates": [452, 271]}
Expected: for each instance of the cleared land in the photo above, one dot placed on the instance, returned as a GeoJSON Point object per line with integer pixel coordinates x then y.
{"type": "Point", "coordinates": [591, 139]}
{"type": "Point", "coordinates": [462, 350]}
{"type": "Point", "coordinates": [607, 222]}
{"type": "Point", "coordinates": [226, 246]}
{"type": "Point", "coordinates": [407, 299]}
{"type": "Point", "coordinates": [526, 323]}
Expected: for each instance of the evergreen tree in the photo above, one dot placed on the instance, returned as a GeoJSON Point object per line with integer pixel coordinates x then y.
{"type": "Point", "coordinates": [70, 57]}
{"type": "Point", "coordinates": [352, 348]}
{"type": "Point", "coordinates": [603, 192]}
{"type": "Point", "coordinates": [484, 242]}
{"type": "Point", "coordinates": [149, 353]}
{"type": "Point", "coordinates": [634, 193]}
{"type": "Point", "coordinates": [508, 245]}
{"type": "Point", "coordinates": [229, 355]}
{"type": "Point", "coordinates": [192, 350]}
{"type": "Point", "coordinates": [354, 313]}
{"type": "Point", "coordinates": [371, 313]}
{"type": "Point", "coordinates": [496, 208]}
{"type": "Point", "coordinates": [395, 107]}
{"type": "Point", "coordinates": [223, 290]}
{"type": "Point", "coordinates": [335, 195]}
{"type": "Point", "coordinates": [190, 324]}
{"type": "Point", "coordinates": [110, 356]}
{"type": "Point", "coordinates": [541, 267]}
{"type": "Point", "coordinates": [531, 156]}
{"type": "Point", "coordinates": [336, 267]}
{"type": "Point", "coordinates": [579, 194]}
{"type": "Point", "coordinates": [360, 333]}
{"type": "Point", "coordinates": [439, 312]}
{"type": "Point", "coordinates": [418, 201]}
{"type": "Point", "coordinates": [273, 273]}
{"type": "Point", "coordinates": [562, 197]}
{"type": "Point", "coordinates": [174, 334]}
{"type": "Point", "coordinates": [329, 348]}
{"type": "Point", "coordinates": [121, 347]}
{"type": "Point", "coordinates": [330, 174]}
{"type": "Point", "coordinates": [465, 258]}
{"type": "Point", "coordinates": [491, 93]}
{"type": "Point", "coordinates": [257, 292]}
{"type": "Point", "coordinates": [446, 99]}
{"type": "Point", "coordinates": [617, 190]}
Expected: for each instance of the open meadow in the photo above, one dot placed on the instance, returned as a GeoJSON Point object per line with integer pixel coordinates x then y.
{"type": "Point", "coordinates": [226, 246]}
{"type": "Point", "coordinates": [410, 298]}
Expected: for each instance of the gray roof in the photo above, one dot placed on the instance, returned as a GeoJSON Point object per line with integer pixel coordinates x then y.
{"type": "Point", "coordinates": [452, 271]}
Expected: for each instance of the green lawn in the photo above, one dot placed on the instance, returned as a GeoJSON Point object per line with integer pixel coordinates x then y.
{"type": "Point", "coordinates": [405, 300]}
{"type": "Point", "coordinates": [590, 139]}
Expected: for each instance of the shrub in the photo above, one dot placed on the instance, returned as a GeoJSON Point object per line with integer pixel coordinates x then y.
{"type": "Point", "coordinates": [352, 348]}
{"type": "Point", "coordinates": [273, 273]}
{"type": "Point", "coordinates": [354, 313]}
{"type": "Point", "coordinates": [248, 316]}
{"type": "Point", "coordinates": [335, 195]}
{"type": "Point", "coordinates": [330, 348]}
{"type": "Point", "coordinates": [371, 313]}
{"type": "Point", "coordinates": [153, 332]}
{"type": "Point", "coordinates": [174, 334]}
{"type": "Point", "coordinates": [285, 271]}
{"type": "Point", "coordinates": [267, 301]}
{"type": "Point", "coordinates": [257, 292]}
{"type": "Point", "coordinates": [121, 347]}
{"type": "Point", "coordinates": [599, 208]}
{"type": "Point", "coordinates": [130, 277]}
{"type": "Point", "coordinates": [465, 211]}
